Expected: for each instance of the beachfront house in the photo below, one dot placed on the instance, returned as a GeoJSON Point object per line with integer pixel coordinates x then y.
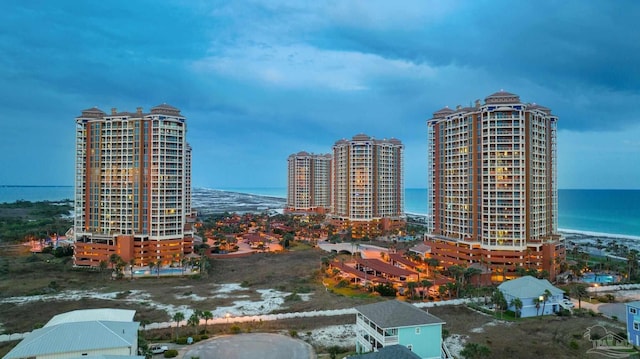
{"type": "Point", "coordinates": [633, 322]}
{"type": "Point", "coordinates": [83, 333]}
{"type": "Point", "coordinates": [393, 322]}
{"type": "Point", "coordinates": [538, 296]}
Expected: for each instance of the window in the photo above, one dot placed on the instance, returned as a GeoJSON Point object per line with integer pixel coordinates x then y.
{"type": "Point", "coordinates": [633, 310]}
{"type": "Point", "coordinates": [418, 330]}
{"type": "Point", "coordinates": [410, 347]}
{"type": "Point", "coordinates": [636, 326]}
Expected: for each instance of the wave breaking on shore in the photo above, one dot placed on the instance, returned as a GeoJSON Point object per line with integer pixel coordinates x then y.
{"type": "Point", "coordinates": [207, 201]}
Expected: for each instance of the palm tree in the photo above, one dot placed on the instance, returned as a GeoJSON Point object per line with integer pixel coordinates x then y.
{"type": "Point", "coordinates": [178, 317]}
{"type": "Point", "coordinates": [206, 315]}
{"type": "Point", "coordinates": [452, 287]}
{"type": "Point", "coordinates": [152, 265]}
{"type": "Point", "coordinates": [537, 301]}
{"type": "Point", "coordinates": [545, 299]}
{"type": "Point", "coordinates": [470, 273]}
{"type": "Point", "coordinates": [632, 263]}
{"type": "Point", "coordinates": [431, 263]}
{"type": "Point", "coordinates": [132, 262]}
{"type": "Point", "coordinates": [425, 284]}
{"type": "Point", "coordinates": [198, 314]}
{"type": "Point", "coordinates": [412, 287]}
{"type": "Point", "coordinates": [103, 265]}
{"type": "Point", "coordinates": [517, 304]}
{"type": "Point", "coordinates": [442, 289]}
{"type": "Point", "coordinates": [158, 266]}
{"type": "Point", "coordinates": [193, 321]}
{"type": "Point", "coordinates": [579, 291]}
{"type": "Point", "coordinates": [113, 259]}
{"type": "Point", "coordinates": [499, 301]}
{"type": "Point", "coordinates": [184, 263]}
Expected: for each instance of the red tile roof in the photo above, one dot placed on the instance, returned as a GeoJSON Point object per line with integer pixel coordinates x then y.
{"type": "Point", "coordinates": [384, 267]}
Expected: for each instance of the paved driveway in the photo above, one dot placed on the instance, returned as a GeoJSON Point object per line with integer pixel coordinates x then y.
{"type": "Point", "coordinates": [250, 346]}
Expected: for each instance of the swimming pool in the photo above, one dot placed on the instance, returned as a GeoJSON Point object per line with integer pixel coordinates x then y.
{"type": "Point", "coordinates": [163, 271]}
{"type": "Point", "coordinates": [598, 278]}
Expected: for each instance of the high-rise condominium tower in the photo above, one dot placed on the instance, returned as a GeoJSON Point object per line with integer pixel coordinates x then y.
{"type": "Point", "coordinates": [492, 186]}
{"type": "Point", "coordinates": [368, 186]}
{"type": "Point", "coordinates": [132, 186]}
{"type": "Point", "coordinates": [309, 183]}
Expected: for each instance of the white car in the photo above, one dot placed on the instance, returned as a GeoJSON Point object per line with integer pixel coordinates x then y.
{"type": "Point", "coordinates": [158, 349]}
{"type": "Point", "coordinates": [567, 303]}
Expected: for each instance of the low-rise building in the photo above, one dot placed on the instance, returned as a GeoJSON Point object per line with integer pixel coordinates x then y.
{"type": "Point", "coordinates": [390, 323]}
{"type": "Point", "coordinates": [538, 296]}
{"type": "Point", "coordinates": [88, 333]}
{"type": "Point", "coordinates": [633, 322]}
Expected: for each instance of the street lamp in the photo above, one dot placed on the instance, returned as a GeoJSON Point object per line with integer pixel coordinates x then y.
{"type": "Point", "coordinates": [227, 316]}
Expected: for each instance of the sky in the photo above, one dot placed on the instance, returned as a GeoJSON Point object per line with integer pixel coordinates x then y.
{"type": "Point", "coordinates": [260, 80]}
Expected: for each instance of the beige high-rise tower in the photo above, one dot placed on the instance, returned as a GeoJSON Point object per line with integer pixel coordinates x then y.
{"type": "Point", "coordinates": [132, 187]}
{"type": "Point", "coordinates": [368, 185]}
{"type": "Point", "coordinates": [309, 183]}
{"type": "Point", "coordinates": [493, 195]}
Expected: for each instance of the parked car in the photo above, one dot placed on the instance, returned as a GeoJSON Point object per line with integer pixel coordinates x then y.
{"type": "Point", "coordinates": [567, 303]}
{"type": "Point", "coordinates": [158, 349]}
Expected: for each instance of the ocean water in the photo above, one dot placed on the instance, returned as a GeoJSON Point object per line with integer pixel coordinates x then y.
{"type": "Point", "coordinates": [35, 193]}
{"type": "Point", "coordinates": [615, 212]}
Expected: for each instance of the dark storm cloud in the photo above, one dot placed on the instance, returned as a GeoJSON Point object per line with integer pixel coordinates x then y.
{"type": "Point", "coordinates": [259, 80]}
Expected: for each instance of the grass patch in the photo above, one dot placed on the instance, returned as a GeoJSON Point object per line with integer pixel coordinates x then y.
{"type": "Point", "coordinates": [299, 246]}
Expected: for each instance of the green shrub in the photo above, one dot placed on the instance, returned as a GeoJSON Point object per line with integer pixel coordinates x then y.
{"type": "Point", "coordinates": [235, 329]}
{"type": "Point", "coordinates": [386, 290]}
{"type": "Point", "coordinates": [564, 313]}
{"type": "Point", "coordinates": [181, 340]}
{"type": "Point", "coordinates": [574, 345]}
{"type": "Point", "coordinates": [293, 333]}
{"type": "Point", "coordinates": [293, 297]}
{"type": "Point", "coordinates": [171, 353]}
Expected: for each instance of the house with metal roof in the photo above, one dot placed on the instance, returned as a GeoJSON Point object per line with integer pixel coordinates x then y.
{"type": "Point", "coordinates": [91, 333]}
{"type": "Point", "coordinates": [391, 323]}
{"type": "Point", "coordinates": [531, 291]}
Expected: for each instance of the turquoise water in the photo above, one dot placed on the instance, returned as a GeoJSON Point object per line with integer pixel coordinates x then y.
{"type": "Point", "coordinates": [598, 278]}
{"type": "Point", "coordinates": [35, 193]}
{"type": "Point", "coordinates": [163, 271]}
{"type": "Point", "coordinates": [601, 211]}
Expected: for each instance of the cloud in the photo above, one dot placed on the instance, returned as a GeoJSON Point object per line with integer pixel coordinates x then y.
{"type": "Point", "coordinates": [261, 79]}
{"type": "Point", "coordinates": [302, 67]}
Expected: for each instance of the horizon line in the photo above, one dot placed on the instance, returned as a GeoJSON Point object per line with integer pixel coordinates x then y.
{"type": "Point", "coordinates": [264, 187]}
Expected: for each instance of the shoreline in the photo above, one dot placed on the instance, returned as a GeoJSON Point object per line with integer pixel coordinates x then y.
{"type": "Point", "coordinates": [233, 202]}
{"type": "Point", "coordinates": [598, 234]}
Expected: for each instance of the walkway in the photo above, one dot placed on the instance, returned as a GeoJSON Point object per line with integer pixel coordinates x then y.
{"type": "Point", "coordinates": [266, 317]}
